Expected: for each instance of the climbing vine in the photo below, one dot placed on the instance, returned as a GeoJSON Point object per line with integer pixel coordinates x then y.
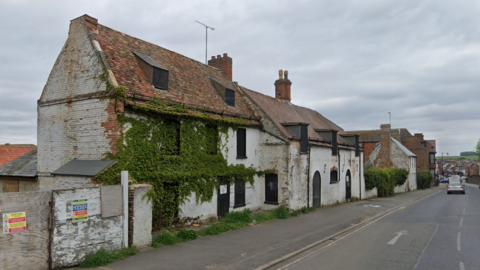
{"type": "Point", "coordinates": [177, 154]}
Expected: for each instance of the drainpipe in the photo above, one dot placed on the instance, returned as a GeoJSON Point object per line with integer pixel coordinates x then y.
{"type": "Point", "coordinates": [308, 178]}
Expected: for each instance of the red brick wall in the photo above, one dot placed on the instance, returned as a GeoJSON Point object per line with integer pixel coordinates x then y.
{"type": "Point", "coordinates": [422, 153]}
{"type": "Point", "coordinates": [10, 152]}
{"type": "Point", "coordinates": [368, 147]}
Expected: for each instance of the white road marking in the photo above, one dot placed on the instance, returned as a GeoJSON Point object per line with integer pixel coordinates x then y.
{"type": "Point", "coordinates": [395, 239]}
{"type": "Point", "coordinates": [462, 266]}
{"type": "Point", "coordinates": [464, 209]}
{"type": "Point", "coordinates": [372, 205]}
{"type": "Point", "coordinates": [461, 222]}
{"type": "Point", "coordinates": [459, 248]}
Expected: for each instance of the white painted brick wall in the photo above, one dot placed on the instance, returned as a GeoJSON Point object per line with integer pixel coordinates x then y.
{"type": "Point", "coordinates": [142, 218]}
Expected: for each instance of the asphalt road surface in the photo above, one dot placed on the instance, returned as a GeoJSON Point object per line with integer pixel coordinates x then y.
{"type": "Point", "coordinates": [439, 232]}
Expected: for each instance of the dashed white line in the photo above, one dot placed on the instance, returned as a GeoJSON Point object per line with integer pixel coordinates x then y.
{"type": "Point", "coordinates": [462, 266]}
{"type": "Point", "coordinates": [459, 235]}
{"type": "Point", "coordinates": [461, 222]}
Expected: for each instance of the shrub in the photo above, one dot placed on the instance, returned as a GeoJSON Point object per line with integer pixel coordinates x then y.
{"type": "Point", "coordinates": [380, 178]}
{"type": "Point", "coordinates": [399, 175]}
{"type": "Point", "coordinates": [281, 212]}
{"type": "Point", "coordinates": [244, 216]}
{"type": "Point", "coordinates": [424, 179]}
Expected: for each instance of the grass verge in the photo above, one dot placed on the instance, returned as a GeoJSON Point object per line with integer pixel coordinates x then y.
{"type": "Point", "coordinates": [103, 257]}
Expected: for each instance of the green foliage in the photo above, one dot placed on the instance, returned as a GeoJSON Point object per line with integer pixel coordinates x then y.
{"type": "Point", "coordinates": [103, 257]}
{"type": "Point", "coordinates": [477, 149]}
{"type": "Point", "coordinates": [281, 212]}
{"type": "Point", "coordinates": [468, 154]}
{"type": "Point", "coordinates": [186, 235]}
{"type": "Point", "coordinates": [165, 238]}
{"type": "Point", "coordinates": [424, 179]}
{"type": "Point", "coordinates": [177, 158]}
{"type": "Point", "coordinates": [263, 217]}
{"type": "Point", "coordinates": [399, 176]}
{"type": "Point", "coordinates": [244, 216]}
{"type": "Point", "coordinates": [382, 180]}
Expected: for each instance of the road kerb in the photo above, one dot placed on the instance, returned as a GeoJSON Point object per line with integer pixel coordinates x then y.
{"type": "Point", "coordinates": [292, 254]}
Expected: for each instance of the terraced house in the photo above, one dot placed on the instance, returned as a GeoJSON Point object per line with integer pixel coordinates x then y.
{"type": "Point", "coordinates": [206, 144]}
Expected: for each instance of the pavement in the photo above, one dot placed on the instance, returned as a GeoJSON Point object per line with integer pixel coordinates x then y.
{"type": "Point", "coordinates": [263, 245]}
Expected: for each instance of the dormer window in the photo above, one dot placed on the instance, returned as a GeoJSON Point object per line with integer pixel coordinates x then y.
{"type": "Point", "coordinates": [330, 136]}
{"type": "Point", "coordinates": [230, 97]}
{"type": "Point", "coordinates": [299, 132]}
{"type": "Point", "coordinates": [156, 73]}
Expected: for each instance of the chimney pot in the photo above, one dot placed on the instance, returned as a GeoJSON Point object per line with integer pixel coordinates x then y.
{"type": "Point", "coordinates": [213, 57]}
{"type": "Point", "coordinates": [280, 74]}
{"type": "Point", "coordinates": [219, 56]}
{"type": "Point", "coordinates": [225, 55]}
{"type": "Point", "coordinates": [286, 74]}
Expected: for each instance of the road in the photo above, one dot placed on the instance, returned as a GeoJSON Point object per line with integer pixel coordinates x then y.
{"type": "Point", "coordinates": [438, 232]}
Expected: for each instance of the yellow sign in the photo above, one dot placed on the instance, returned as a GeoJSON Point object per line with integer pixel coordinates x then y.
{"type": "Point", "coordinates": [15, 215]}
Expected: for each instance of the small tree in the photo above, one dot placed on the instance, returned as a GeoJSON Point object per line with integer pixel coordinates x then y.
{"type": "Point", "coordinates": [477, 149]}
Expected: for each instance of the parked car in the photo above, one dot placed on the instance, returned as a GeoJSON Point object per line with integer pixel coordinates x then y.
{"type": "Point", "coordinates": [444, 181]}
{"type": "Point", "coordinates": [455, 188]}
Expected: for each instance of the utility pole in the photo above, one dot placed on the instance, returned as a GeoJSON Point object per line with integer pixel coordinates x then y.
{"type": "Point", "coordinates": [206, 38]}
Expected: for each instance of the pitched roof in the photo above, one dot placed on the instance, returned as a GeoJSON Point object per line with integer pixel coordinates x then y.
{"type": "Point", "coordinates": [189, 80]}
{"type": "Point", "coordinates": [281, 111]}
{"type": "Point", "coordinates": [403, 148]}
{"type": "Point", "coordinates": [23, 166]}
{"type": "Point", "coordinates": [9, 152]}
{"type": "Point", "coordinates": [366, 135]}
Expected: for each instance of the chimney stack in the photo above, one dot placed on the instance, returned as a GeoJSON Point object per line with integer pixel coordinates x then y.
{"type": "Point", "coordinates": [384, 160]}
{"type": "Point", "coordinates": [283, 86]}
{"type": "Point", "coordinates": [224, 63]}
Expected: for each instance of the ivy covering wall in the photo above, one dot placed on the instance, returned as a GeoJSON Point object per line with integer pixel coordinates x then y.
{"type": "Point", "coordinates": [385, 180]}
{"type": "Point", "coordinates": [177, 152]}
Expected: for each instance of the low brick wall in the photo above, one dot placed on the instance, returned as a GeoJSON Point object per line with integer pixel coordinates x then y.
{"type": "Point", "coordinates": [139, 216]}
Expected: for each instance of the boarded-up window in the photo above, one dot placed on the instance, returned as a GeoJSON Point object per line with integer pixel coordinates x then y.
{"type": "Point", "coordinates": [160, 78]}
{"type": "Point", "coordinates": [10, 186]}
{"type": "Point", "coordinates": [271, 188]}
{"type": "Point", "coordinates": [230, 97]}
{"type": "Point", "coordinates": [241, 143]}
{"type": "Point", "coordinates": [239, 193]}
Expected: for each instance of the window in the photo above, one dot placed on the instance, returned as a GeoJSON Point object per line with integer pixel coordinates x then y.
{"type": "Point", "coordinates": [241, 143]}
{"type": "Point", "coordinates": [432, 158]}
{"type": "Point", "coordinates": [160, 78]}
{"type": "Point", "coordinates": [211, 137]}
{"type": "Point", "coordinates": [333, 176]}
{"type": "Point", "coordinates": [230, 97]}
{"type": "Point", "coordinates": [239, 193]}
{"type": "Point", "coordinates": [271, 188]}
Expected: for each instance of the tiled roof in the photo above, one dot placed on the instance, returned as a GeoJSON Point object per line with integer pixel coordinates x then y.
{"type": "Point", "coordinates": [189, 80]}
{"type": "Point", "coordinates": [367, 135]}
{"type": "Point", "coordinates": [24, 166]}
{"type": "Point", "coordinates": [9, 152]}
{"type": "Point", "coordinates": [281, 111]}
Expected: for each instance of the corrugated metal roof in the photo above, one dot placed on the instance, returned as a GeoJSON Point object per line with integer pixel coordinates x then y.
{"type": "Point", "coordinates": [403, 148]}
{"type": "Point", "coordinates": [83, 167]}
{"type": "Point", "coordinates": [23, 166]}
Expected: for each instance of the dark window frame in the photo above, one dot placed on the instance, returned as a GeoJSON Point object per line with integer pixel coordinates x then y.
{"type": "Point", "coordinates": [335, 180]}
{"type": "Point", "coordinates": [230, 97]}
{"type": "Point", "coordinates": [241, 143]}
{"type": "Point", "coordinates": [271, 198]}
{"type": "Point", "coordinates": [240, 193]}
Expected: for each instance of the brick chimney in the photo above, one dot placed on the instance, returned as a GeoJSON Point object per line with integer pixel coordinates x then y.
{"type": "Point", "coordinates": [224, 63]}
{"type": "Point", "coordinates": [383, 159]}
{"type": "Point", "coordinates": [283, 86]}
{"type": "Point", "coordinates": [419, 136]}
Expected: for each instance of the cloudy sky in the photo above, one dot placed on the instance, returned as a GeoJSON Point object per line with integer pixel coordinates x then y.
{"type": "Point", "coordinates": [353, 61]}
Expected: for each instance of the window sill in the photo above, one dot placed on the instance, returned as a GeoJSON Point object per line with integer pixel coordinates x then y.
{"type": "Point", "coordinates": [238, 206]}
{"type": "Point", "coordinates": [241, 157]}
{"type": "Point", "coordinates": [336, 182]}
{"type": "Point", "coordinates": [275, 203]}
